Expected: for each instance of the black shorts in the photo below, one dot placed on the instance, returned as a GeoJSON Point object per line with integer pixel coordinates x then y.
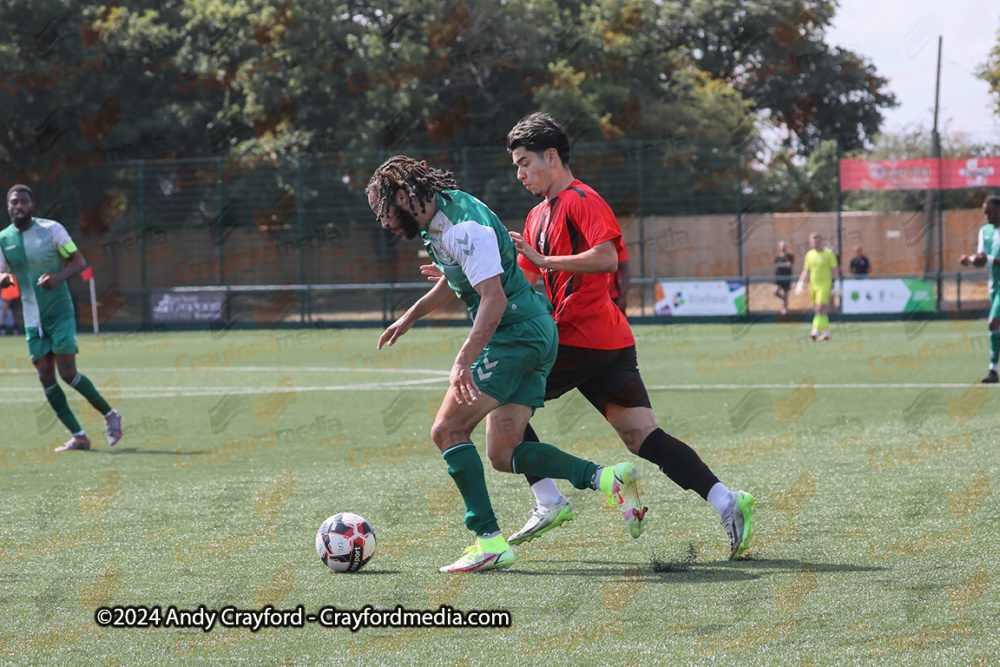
{"type": "Point", "coordinates": [784, 284]}
{"type": "Point", "coordinates": [603, 376]}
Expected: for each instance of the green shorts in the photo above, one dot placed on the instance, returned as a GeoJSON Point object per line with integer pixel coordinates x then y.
{"type": "Point", "coordinates": [59, 338]}
{"type": "Point", "coordinates": [515, 363]}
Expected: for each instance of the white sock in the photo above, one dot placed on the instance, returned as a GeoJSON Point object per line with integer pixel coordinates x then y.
{"type": "Point", "coordinates": [720, 498]}
{"type": "Point", "coordinates": [993, 367]}
{"type": "Point", "coordinates": [546, 492]}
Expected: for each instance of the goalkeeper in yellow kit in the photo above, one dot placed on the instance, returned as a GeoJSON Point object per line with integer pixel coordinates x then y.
{"type": "Point", "coordinates": [821, 267]}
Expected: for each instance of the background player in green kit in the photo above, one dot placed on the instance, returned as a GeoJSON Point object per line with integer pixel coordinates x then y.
{"type": "Point", "coordinates": [988, 252]}
{"type": "Point", "coordinates": [499, 373]}
{"type": "Point", "coordinates": [43, 257]}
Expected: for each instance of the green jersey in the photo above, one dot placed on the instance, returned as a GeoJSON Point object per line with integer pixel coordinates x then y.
{"type": "Point", "coordinates": [989, 244]}
{"type": "Point", "coordinates": [468, 244]}
{"type": "Point", "coordinates": [38, 250]}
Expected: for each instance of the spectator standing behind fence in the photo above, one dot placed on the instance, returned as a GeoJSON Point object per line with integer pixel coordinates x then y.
{"type": "Point", "coordinates": [783, 263]}
{"type": "Point", "coordinates": [10, 297]}
{"type": "Point", "coordinates": [860, 266]}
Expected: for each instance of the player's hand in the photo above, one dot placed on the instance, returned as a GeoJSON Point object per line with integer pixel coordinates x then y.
{"type": "Point", "coordinates": [6, 280]}
{"type": "Point", "coordinates": [965, 260]}
{"type": "Point", "coordinates": [395, 330]}
{"type": "Point", "coordinates": [798, 288]}
{"type": "Point", "coordinates": [48, 281]}
{"type": "Point", "coordinates": [533, 256]}
{"type": "Point", "coordinates": [836, 291]}
{"type": "Point", "coordinates": [462, 385]}
{"type": "Point", "coordinates": [431, 272]}
{"type": "Point", "coordinates": [979, 259]}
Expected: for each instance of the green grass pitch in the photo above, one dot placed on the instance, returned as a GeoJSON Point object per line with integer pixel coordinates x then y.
{"type": "Point", "coordinates": [874, 459]}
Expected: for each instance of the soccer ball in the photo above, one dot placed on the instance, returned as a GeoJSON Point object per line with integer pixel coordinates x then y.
{"type": "Point", "coordinates": [345, 542]}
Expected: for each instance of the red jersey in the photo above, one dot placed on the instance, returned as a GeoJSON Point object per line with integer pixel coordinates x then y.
{"type": "Point", "coordinates": [572, 222]}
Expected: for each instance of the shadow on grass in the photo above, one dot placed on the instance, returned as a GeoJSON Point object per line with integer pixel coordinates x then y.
{"type": "Point", "coordinates": [784, 564]}
{"type": "Point", "coordinates": [605, 570]}
{"type": "Point", "coordinates": [133, 450]}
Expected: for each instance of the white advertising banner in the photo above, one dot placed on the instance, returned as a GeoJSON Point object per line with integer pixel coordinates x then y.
{"type": "Point", "coordinates": [720, 297]}
{"type": "Point", "coordinates": [892, 295]}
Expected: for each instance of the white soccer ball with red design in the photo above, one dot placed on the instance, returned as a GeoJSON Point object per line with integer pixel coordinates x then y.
{"type": "Point", "coordinates": [345, 542]}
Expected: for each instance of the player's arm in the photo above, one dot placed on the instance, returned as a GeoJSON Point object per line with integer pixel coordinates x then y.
{"type": "Point", "coordinates": [980, 258]}
{"type": "Point", "coordinates": [623, 288]}
{"type": "Point", "coordinates": [6, 274]}
{"type": "Point", "coordinates": [438, 295]}
{"type": "Point", "coordinates": [802, 280]}
{"type": "Point", "coordinates": [75, 263]}
{"type": "Point", "coordinates": [602, 258]}
{"type": "Point", "coordinates": [492, 305]}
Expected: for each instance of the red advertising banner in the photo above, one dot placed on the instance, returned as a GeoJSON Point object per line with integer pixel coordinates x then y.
{"type": "Point", "coordinates": [971, 172]}
{"type": "Point", "coordinates": [920, 174]}
{"type": "Point", "coordinates": [888, 174]}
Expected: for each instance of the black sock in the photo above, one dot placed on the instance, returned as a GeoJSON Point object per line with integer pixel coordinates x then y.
{"type": "Point", "coordinates": [678, 462]}
{"type": "Point", "coordinates": [530, 436]}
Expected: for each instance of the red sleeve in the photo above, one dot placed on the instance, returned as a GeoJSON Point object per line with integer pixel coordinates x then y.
{"type": "Point", "coordinates": [622, 250]}
{"type": "Point", "coordinates": [595, 220]}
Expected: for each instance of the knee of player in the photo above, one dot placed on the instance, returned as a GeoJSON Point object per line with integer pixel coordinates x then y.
{"type": "Point", "coordinates": [47, 378]}
{"type": "Point", "coordinates": [446, 434]}
{"type": "Point", "coordinates": [633, 440]}
{"type": "Point", "coordinates": [500, 458]}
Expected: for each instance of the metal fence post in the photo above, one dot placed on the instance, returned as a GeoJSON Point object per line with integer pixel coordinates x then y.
{"type": "Point", "coordinates": [146, 315]}
{"type": "Point", "coordinates": [300, 203]}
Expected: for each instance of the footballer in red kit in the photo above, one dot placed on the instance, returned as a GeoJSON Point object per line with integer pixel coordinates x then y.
{"type": "Point", "coordinates": [573, 241]}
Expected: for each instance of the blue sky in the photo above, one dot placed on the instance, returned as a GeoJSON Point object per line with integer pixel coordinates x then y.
{"type": "Point", "coordinates": [900, 38]}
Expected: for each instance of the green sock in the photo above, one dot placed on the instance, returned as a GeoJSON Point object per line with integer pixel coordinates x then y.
{"type": "Point", "coordinates": [541, 460]}
{"type": "Point", "coordinates": [83, 385]}
{"type": "Point", "coordinates": [994, 346]}
{"type": "Point", "coordinates": [824, 322]}
{"type": "Point", "coordinates": [57, 399]}
{"type": "Point", "coordinates": [815, 322]}
{"type": "Point", "coordinates": [466, 469]}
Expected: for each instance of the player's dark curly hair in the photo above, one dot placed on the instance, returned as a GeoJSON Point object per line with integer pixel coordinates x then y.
{"type": "Point", "coordinates": [420, 181]}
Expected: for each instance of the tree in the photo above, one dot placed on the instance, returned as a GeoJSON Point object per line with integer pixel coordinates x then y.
{"type": "Point", "coordinates": [989, 72]}
{"type": "Point", "coordinates": [774, 52]}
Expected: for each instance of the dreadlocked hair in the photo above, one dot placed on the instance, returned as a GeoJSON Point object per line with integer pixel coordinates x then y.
{"type": "Point", "coordinates": [420, 181]}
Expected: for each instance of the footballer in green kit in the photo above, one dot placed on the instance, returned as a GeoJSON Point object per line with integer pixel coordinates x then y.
{"type": "Point", "coordinates": [42, 256]}
{"type": "Point", "coordinates": [500, 372]}
{"type": "Point", "coordinates": [988, 254]}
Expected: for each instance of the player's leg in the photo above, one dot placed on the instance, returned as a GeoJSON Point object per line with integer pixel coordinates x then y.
{"type": "Point", "coordinates": [572, 366]}
{"type": "Point", "coordinates": [551, 508]}
{"type": "Point", "coordinates": [64, 346]}
{"type": "Point", "coordinates": [508, 453]}
{"type": "Point", "coordinates": [621, 396]}
{"type": "Point", "coordinates": [45, 364]}
{"type": "Point", "coordinates": [814, 299]}
{"type": "Point", "coordinates": [822, 309]}
{"type": "Point", "coordinates": [994, 329]}
{"type": "Point", "coordinates": [452, 433]}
